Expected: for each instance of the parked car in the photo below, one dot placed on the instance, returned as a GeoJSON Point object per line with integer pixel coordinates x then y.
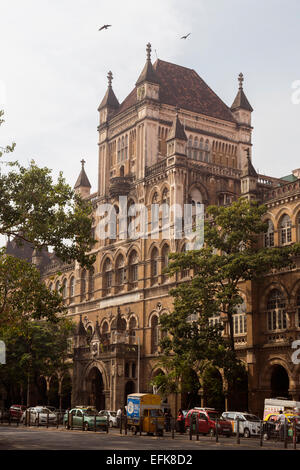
{"type": "Point", "coordinates": [111, 416]}
{"type": "Point", "coordinates": [39, 415]}
{"type": "Point", "coordinates": [249, 424]}
{"type": "Point", "coordinates": [16, 411]}
{"type": "Point", "coordinates": [207, 422]}
{"type": "Point", "coordinates": [86, 418]}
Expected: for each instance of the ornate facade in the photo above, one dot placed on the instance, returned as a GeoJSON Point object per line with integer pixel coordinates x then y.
{"type": "Point", "coordinates": [174, 140]}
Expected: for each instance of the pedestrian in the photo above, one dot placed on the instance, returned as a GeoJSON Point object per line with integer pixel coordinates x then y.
{"type": "Point", "coordinates": [167, 416]}
{"type": "Point", "coordinates": [119, 414]}
{"type": "Point", "coordinates": [180, 421]}
{"type": "Point", "coordinates": [282, 421]}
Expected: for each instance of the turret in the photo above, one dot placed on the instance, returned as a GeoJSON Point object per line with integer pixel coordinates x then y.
{"type": "Point", "coordinates": [109, 105]}
{"type": "Point", "coordinates": [249, 179]}
{"type": "Point", "coordinates": [148, 83]}
{"type": "Point", "coordinates": [176, 141]}
{"type": "Point", "coordinates": [82, 185]}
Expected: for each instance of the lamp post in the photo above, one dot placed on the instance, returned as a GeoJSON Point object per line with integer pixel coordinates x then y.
{"type": "Point", "coordinates": [139, 359]}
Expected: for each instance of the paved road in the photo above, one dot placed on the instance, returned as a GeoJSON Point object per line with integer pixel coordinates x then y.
{"type": "Point", "coordinates": [21, 438]}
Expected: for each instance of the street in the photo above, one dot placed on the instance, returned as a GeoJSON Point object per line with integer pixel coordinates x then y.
{"type": "Point", "coordinates": [22, 438]}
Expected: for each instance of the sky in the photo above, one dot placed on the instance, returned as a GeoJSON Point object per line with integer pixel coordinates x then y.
{"type": "Point", "coordinates": [54, 65]}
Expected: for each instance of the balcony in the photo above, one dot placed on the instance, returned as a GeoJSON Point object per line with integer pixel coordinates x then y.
{"type": "Point", "coordinates": [120, 186]}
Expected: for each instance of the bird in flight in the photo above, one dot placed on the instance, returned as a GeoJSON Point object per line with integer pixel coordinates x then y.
{"type": "Point", "coordinates": [105, 26]}
{"type": "Point", "coordinates": [184, 37]}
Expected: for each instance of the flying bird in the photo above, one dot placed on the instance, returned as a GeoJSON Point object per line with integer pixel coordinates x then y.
{"type": "Point", "coordinates": [105, 26]}
{"type": "Point", "coordinates": [184, 37]}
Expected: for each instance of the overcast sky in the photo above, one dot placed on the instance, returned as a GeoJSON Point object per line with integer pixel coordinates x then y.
{"type": "Point", "coordinates": [54, 64]}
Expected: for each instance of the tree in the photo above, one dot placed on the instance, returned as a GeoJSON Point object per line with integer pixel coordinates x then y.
{"type": "Point", "coordinates": [34, 349]}
{"type": "Point", "coordinates": [231, 255]}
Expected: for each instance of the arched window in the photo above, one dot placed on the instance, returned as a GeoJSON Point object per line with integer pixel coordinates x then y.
{"type": "Point", "coordinates": [190, 147]}
{"type": "Point", "coordinates": [195, 150]}
{"type": "Point", "coordinates": [269, 235]}
{"type": "Point", "coordinates": [240, 320]}
{"type": "Point", "coordinates": [120, 272]}
{"type": "Point", "coordinates": [83, 283]}
{"type": "Point", "coordinates": [154, 334]}
{"type": "Point", "coordinates": [185, 272]}
{"type": "Point", "coordinates": [154, 266]}
{"type": "Point", "coordinates": [107, 276]}
{"type": "Point", "coordinates": [285, 228]}
{"type": "Point", "coordinates": [126, 147]}
{"type": "Point", "coordinates": [276, 311]}
{"type": "Point", "coordinates": [119, 150]}
{"type": "Point", "coordinates": [57, 286]}
{"type": "Point", "coordinates": [132, 327]}
{"type": "Point", "coordinates": [298, 309]}
{"type": "Point", "coordinates": [64, 289]}
{"type": "Point", "coordinates": [165, 261]}
{"type": "Point", "coordinates": [50, 287]}
{"type": "Point", "coordinates": [72, 286]}
{"type": "Point", "coordinates": [298, 227]}
{"type": "Point", "coordinates": [133, 269]}
{"type": "Point", "coordinates": [91, 281]}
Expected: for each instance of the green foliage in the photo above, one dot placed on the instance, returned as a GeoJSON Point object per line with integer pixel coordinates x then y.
{"type": "Point", "coordinates": [231, 255]}
{"type": "Point", "coordinates": [33, 349]}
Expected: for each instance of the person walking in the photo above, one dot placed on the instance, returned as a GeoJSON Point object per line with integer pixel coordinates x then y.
{"type": "Point", "coordinates": [119, 413]}
{"type": "Point", "coordinates": [282, 421]}
{"type": "Point", "coordinates": [180, 421]}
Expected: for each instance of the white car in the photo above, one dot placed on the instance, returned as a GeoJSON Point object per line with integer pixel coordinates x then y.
{"type": "Point", "coordinates": [39, 415]}
{"type": "Point", "coordinates": [249, 424]}
{"type": "Point", "coordinates": [112, 417]}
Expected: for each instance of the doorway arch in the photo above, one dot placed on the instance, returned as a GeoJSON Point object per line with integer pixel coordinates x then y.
{"type": "Point", "coordinates": [279, 382]}
{"type": "Point", "coordinates": [129, 388]}
{"type": "Point", "coordinates": [95, 389]}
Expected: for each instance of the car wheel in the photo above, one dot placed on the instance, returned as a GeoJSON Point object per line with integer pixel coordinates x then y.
{"type": "Point", "coordinates": [86, 426]}
{"type": "Point", "coordinates": [247, 433]}
{"type": "Point", "coordinates": [211, 432]}
{"type": "Point", "coordinates": [265, 437]}
{"type": "Point", "coordinates": [66, 425]}
{"type": "Point", "coordinates": [110, 424]}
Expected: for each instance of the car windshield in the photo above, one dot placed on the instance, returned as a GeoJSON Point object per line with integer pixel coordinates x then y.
{"type": "Point", "coordinates": [90, 412]}
{"type": "Point", "coordinates": [41, 410]}
{"type": "Point", "coordinates": [213, 415]}
{"type": "Point", "coordinates": [251, 418]}
{"type": "Point", "coordinates": [156, 413]}
{"type": "Point", "coordinates": [113, 413]}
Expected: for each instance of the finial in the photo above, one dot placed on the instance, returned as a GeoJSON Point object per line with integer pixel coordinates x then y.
{"type": "Point", "coordinates": [148, 52]}
{"type": "Point", "coordinates": [177, 109]}
{"type": "Point", "coordinates": [82, 163]}
{"type": "Point", "coordinates": [109, 77]}
{"type": "Point", "coordinates": [241, 79]}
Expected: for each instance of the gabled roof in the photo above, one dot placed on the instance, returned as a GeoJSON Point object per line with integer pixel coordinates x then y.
{"type": "Point", "coordinates": [182, 87]}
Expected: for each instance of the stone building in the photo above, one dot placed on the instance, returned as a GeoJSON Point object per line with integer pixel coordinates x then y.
{"type": "Point", "coordinates": [173, 140]}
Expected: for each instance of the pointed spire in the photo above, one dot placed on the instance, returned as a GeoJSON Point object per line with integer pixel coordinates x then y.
{"type": "Point", "coordinates": [249, 169]}
{"type": "Point", "coordinates": [80, 328]}
{"type": "Point", "coordinates": [177, 131]}
{"type": "Point", "coordinates": [82, 180]}
{"type": "Point", "coordinates": [241, 100]}
{"type": "Point", "coordinates": [148, 74]}
{"type": "Point", "coordinates": [109, 99]}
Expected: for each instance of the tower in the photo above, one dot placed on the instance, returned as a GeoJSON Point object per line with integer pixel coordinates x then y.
{"type": "Point", "coordinates": [82, 185]}
{"type": "Point", "coordinates": [242, 110]}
